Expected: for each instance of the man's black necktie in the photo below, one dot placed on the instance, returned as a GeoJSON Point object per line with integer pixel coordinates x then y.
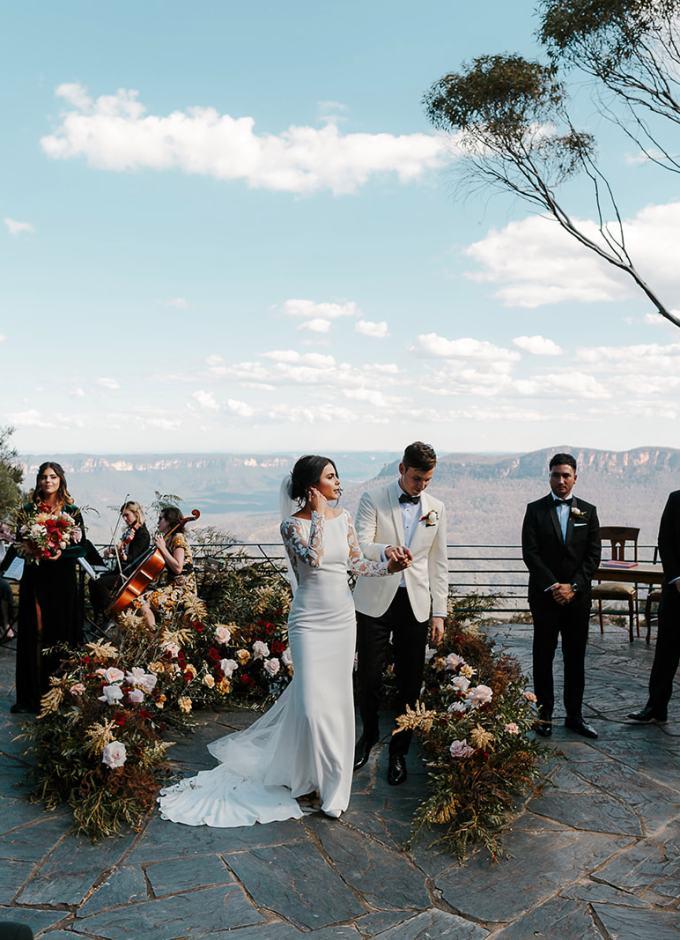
{"type": "Point", "coordinates": [405, 498]}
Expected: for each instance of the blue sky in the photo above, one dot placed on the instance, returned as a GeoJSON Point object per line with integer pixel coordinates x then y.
{"type": "Point", "coordinates": [232, 228]}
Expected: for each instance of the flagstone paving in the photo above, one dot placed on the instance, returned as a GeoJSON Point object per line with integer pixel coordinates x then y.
{"type": "Point", "coordinates": [596, 854]}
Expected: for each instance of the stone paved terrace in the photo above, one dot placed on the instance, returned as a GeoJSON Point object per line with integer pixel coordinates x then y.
{"type": "Point", "coordinates": [596, 855]}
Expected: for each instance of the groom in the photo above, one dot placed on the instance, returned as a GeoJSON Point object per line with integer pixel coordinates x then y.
{"type": "Point", "coordinates": [399, 520]}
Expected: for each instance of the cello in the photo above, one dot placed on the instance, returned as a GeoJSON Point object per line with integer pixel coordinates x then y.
{"type": "Point", "coordinates": [146, 572]}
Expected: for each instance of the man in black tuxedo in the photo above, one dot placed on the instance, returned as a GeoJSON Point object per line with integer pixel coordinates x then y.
{"type": "Point", "coordinates": [667, 652]}
{"type": "Point", "coordinates": [561, 548]}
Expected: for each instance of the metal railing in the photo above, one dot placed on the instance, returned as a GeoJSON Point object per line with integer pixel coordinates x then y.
{"type": "Point", "coordinates": [489, 570]}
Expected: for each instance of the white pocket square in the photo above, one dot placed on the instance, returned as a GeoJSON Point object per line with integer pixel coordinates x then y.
{"type": "Point", "coordinates": [578, 525]}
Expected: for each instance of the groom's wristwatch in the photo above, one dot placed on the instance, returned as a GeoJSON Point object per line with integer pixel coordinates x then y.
{"type": "Point", "coordinates": [574, 587]}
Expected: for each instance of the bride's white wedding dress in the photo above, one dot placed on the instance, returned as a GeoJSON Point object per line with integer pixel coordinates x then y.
{"type": "Point", "coordinates": [305, 741]}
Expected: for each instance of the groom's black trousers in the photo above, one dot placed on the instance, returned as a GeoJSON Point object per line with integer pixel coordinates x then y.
{"type": "Point", "coordinates": [409, 638]}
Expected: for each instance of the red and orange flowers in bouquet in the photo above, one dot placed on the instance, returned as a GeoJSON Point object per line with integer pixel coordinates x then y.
{"type": "Point", "coordinates": [43, 534]}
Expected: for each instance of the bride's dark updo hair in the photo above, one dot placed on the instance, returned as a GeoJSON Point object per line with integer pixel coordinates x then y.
{"type": "Point", "coordinates": [307, 472]}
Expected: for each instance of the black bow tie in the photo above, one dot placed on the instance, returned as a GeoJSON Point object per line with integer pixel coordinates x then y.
{"type": "Point", "coordinates": [405, 498]}
{"type": "Point", "coordinates": [564, 502]}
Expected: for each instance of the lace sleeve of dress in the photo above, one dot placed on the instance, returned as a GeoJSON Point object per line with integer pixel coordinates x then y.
{"type": "Point", "coordinates": [310, 552]}
{"type": "Point", "coordinates": [358, 563]}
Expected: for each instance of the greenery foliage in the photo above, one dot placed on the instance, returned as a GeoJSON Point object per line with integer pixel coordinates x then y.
{"type": "Point", "coordinates": [11, 475]}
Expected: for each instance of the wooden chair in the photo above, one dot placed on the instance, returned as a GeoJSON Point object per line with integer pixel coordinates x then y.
{"type": "Point", "coordinates": [617, 536]}
{"type": "Point", "coordinates": [653, 597]}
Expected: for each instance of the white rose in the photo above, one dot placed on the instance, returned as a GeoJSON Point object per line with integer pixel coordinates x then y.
{"type": "Point", "coordinates": [112, 674]}
{"type": "Point", "coordinates": [286, 657]}
{"type": "Point", "coordinates": [141, 679]}
{"type": "Point", "coordinates": [456, 707]}
{"type": "Point", "coordinates": [460, 749]}
{"type": "Point", "coordinates": [480, 695]}
{"type": "Point", "coordinates": [114, 754]}
{"type": "Point", "coordinates": [171, 648]}
{"type": "Point", "coordinates": [272, 666]}
{"type": "Point", "coordinates": [222, 633]}
{"type": "Point", "coordinates": [111, 694]}
{"type": "Point", "coordinates": [453, 661]}
{"type": "Point", "coordinates": [460, 684]}
{"type": "Point", "coordinates": [228, 667]}
{"type": "Point", "coordinates": [260, 650]}
{"type": "Point", "coordinates": [136, 696]}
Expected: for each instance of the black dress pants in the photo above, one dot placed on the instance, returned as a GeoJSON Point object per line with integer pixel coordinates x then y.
{"type": "Point", "coordinates": [409, 638]}
{"type": "Point", "coordinates": [571, 622]}
{"type": "Point", "coordinates": [667, 652]}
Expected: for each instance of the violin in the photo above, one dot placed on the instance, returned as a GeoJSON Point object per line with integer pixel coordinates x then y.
{"type": "Point", "coordinates": [146, 572]}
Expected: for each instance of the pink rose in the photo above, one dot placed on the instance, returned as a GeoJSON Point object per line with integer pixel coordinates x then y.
{"type": "Point", "coordinates": [480, 695]}
{"type": "Point", "coordinates": [272, 666]}
{"type": "Point", "coordinates": [461, 749]}
{"type": "Point", "coordinates": [136, 696]}
{"type": "Point", "coordinates": [260, 650]}
{"type": "Point", "coordinates": [77, 688]}
{"type": "Point", "coordinates": [512, 727]}
{"type": "Point", "coordinates": [453, 661]}
{"type": "Point", "coordinates": [228, 667]}
{"type": "Point", "coordinates": [222, 633]}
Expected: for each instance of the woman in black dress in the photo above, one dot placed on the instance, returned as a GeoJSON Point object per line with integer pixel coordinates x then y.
{"type": "Point", "coordinates": [50, 606]}
{"type": "Point", "coordinates": [134, 543]}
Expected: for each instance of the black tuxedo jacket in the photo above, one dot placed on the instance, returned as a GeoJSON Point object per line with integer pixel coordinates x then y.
{"type": "Point", "coordinates": [669, 538]}
{"type": "Point", "coordinates": [549, 558]}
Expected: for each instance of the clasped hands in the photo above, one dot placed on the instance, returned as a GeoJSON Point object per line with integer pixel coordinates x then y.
{"type": "Point", "coordinates": [562, 594]}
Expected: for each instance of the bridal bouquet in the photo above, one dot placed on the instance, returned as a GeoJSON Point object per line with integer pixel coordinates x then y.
{"type": "Point", "coordinates": [43, 534]}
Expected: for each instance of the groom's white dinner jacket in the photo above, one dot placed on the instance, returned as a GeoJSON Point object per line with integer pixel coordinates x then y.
{"type": "Point", "coordinates": [379, 524]}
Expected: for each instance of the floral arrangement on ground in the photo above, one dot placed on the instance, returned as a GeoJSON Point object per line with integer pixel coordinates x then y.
{"type": "Point", "coordinates": [474, 721]}
{"type": "Point", "coordinates": [101, 738]}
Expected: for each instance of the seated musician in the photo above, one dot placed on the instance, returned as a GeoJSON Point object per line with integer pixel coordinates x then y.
{"type": "Point", "coordinates": [6, 601]}
{"type": "Point", "coordinates": [132, 546]}
{"type": "Point", "coordinates": [177, 580]}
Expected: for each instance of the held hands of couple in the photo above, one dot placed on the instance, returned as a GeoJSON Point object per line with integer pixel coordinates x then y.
{"type": "Point", "coordinates": [398, 557]}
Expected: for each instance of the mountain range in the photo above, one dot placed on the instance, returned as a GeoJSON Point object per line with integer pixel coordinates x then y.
{"type": "Point", "coordinates": [485, 494]}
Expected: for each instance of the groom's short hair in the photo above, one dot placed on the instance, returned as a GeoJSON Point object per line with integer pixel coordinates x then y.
{"type": "Point", "coordinates": [419, 456]}
{"type": "Point", "coordinates": [560, 460]}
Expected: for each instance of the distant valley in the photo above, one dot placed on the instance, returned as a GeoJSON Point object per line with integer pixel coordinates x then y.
{"type": "Point", "coordinates": [485, 494]}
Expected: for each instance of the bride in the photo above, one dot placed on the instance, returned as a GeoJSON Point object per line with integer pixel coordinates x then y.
{"type": "Point", "coordinates": [305, 742]}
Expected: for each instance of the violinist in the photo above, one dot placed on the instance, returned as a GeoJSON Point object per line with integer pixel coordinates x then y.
{"type": "Point", "coordinates": [178, 580]}
{"type": "Point", "coordinates": [133, 544]}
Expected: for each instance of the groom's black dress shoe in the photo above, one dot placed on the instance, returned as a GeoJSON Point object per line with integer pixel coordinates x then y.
{"type": "Point", "coordinates": [647, 715]}
{"type": "Point", "coordinates": [362, 751]}
{"type": "Point", "coordinates": [580, 727]}
{"type": "Point", "coordinates": [543, 728]}
{"type": "Point", "coordinates": [18, 709]}
{"type": "Point", "coordinates": [396, 772]}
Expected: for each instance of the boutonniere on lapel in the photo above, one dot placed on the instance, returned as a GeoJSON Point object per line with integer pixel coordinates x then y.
{"type": "Point", "coordinates": [430, 518]}
{"type": "Point", "coordinates": [577, 513]}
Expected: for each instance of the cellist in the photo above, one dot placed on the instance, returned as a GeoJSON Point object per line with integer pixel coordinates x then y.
{"type": "Point", "coordinates": [178, 580]}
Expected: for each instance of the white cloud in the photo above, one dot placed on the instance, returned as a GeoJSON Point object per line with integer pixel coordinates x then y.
{"type": "Point", "coordinates": [534, 262]}
{"type": "Point", "coordinates": [240, 408]}
{"type": "Point", "coordinates": [317, 325]}
{"type": "Point", "coordinates": [111, 384]}
{"type": "Point", "coordinates": [115, 132]}
{"type": "Point", "coordinates": [205, 400]}
{"type": "Point", "coordinates": [216, 365]}
{"type": "Point", "coordinates": [377, 329]}
{"type": "Point", "coordinates": [371, 396]}
{"type": "Point", "coordinates": [77, 392]}
{"type": "Point", "coordinates": [2, 337]}
{"type": "Point", "coordinates": [179, 303]}
{"type": "Point", "coordinates": [18, 228]}
{"type": "Point", "coordinates": [537, 345]}
{"type": "Point", "coordinates": [433, 345]}
{"type": "Point", "coordinates": [310, 309]}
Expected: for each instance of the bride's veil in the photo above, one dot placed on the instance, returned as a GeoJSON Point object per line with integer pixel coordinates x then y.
{"type": "Point", "coordinates": [287, 506]}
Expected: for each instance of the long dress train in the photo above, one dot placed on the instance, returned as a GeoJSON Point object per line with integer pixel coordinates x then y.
{"type": "Point", "coordinates": [305, 741]}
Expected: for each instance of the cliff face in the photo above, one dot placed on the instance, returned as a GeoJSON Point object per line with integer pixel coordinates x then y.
{"type": "Point", "coordinates": [637, 465]}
